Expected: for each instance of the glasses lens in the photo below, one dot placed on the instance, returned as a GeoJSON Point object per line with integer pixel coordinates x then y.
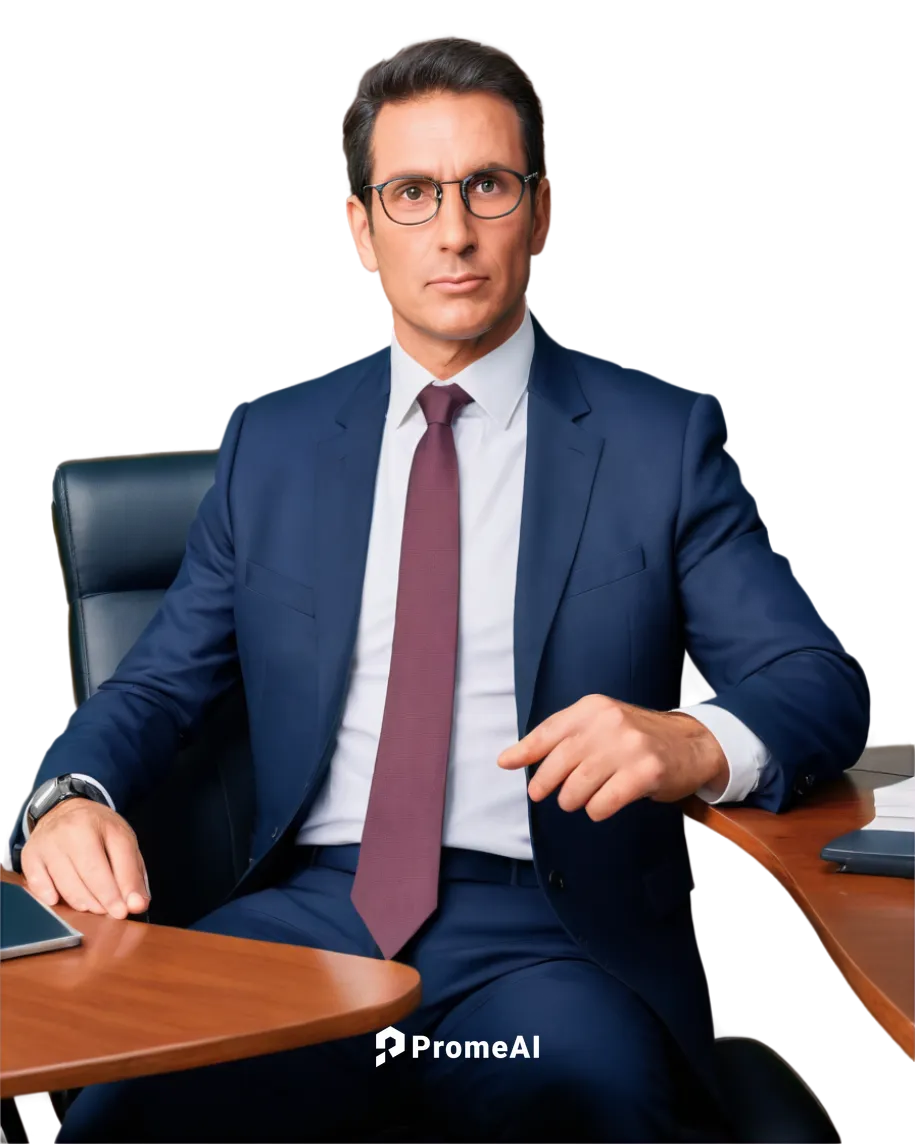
{"type": "Point", "coordinates": [493, 193]}
{"type": "Point", "coordinates": [410, 200]}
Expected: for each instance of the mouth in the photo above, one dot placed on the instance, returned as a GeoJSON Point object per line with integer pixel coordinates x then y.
{"type": "Point", "coordinates": [461, 284]}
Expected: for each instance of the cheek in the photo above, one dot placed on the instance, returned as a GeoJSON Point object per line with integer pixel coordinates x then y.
{"type": "Point", "coordinates": [511, 254]}
{"type": "Point", "coordinates": [506, 272]}
{"type": "Point", "coordinates": [403, 264]}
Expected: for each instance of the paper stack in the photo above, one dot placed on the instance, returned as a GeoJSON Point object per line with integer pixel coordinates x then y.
{"type": "Point", "coordinates": [894, 807]}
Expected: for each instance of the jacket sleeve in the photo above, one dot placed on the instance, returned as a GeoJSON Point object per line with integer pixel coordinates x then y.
{"type": "Point", "coordinates": [127, 733]}
{"type": "Point", "coordinates": [753, 632]}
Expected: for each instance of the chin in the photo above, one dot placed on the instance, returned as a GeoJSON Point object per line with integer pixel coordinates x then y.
{"type": "Point", "coordinates": [461, 317]}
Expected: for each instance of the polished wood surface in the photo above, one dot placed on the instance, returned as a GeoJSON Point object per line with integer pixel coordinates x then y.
{"type": "Point", "coordinates": [866, 921]}
{"type": "Point", "coordinates": [135, 999]}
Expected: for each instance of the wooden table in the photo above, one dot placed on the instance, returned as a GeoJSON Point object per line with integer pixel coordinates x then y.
{"type": "Point", "coordinates": [135, 999]}
{"type": "Point", "coordinates": [866, 922]}
{"type": "Point", "coordinates": [176, 998]}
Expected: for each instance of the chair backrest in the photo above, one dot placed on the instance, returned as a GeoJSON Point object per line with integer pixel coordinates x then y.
{"type": "Point", "coordinates": [121, 526]}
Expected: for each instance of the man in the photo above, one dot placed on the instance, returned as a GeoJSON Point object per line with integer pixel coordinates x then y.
{"type": "Point", "coordinates": [470, 537]}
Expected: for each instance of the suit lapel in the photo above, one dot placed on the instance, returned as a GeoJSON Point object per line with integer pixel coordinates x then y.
{"type": "Point", "coordinates": [345, 470]}
{"type": "Point", "coordinates": [559, 469]}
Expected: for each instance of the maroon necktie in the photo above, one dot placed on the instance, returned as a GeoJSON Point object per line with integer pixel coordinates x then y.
{"type": "Point", "coordinates": [396, 883]}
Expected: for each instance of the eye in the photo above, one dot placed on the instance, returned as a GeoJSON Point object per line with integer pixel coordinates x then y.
{"type": "Point", "coordinates": [485, 184]}
{"type": "Point", "coordinates": [411, 191]}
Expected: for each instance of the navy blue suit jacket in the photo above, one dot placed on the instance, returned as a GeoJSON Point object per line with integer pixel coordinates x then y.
{"type": "Point", "coordinates": [638, 541]}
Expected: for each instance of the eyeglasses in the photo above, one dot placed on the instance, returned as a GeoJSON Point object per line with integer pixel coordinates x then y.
{"type": "Point", "coordinates": [413, 199]}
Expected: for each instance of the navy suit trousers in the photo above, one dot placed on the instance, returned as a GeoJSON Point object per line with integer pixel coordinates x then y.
{"type": "Point", "coordinates": [496, 963]}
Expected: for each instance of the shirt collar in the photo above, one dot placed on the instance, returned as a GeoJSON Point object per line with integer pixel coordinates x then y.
{"type": "Point", "coordinates": [495, 381]}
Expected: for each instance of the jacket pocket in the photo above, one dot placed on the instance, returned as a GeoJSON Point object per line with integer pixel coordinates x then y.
{"type": "Point", "coordinates": [277, 586]}
{"type": "Point", "coordinates": [600, 570]}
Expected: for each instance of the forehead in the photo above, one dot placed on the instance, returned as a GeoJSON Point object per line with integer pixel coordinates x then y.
{"type": "Point", "coordinates": [446, 136]}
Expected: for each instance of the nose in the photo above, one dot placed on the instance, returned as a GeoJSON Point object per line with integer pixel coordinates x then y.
{"type": "Point", "coordinates": [454, 220]}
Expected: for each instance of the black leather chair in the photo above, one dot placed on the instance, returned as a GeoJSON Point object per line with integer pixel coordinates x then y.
{"type": "Point", "coordinates": [121, 524]}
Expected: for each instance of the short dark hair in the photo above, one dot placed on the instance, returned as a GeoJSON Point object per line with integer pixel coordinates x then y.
{"type": "Point", "coordinates": [443, 65]}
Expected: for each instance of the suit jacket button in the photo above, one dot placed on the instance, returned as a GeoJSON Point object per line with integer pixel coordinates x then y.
{"type": "Point", "coordinates": [556, 879]}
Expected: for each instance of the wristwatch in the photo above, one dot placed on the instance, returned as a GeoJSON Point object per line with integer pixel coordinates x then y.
{"type": "Point", "coordinates": [55, 791]}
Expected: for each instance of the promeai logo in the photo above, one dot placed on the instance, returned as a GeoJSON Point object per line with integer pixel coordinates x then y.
{"type": "Point", "coordinates": [452, 1049]}
{"type": "Point", "coordinates": [381, 1041]}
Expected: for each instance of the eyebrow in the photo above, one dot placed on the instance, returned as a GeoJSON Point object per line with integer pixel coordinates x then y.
{"type": "Point", "coordinates": [405, 174]}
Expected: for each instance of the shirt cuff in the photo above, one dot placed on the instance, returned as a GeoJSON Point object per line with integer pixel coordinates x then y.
{"type": "Point", "coordinates": [745, 752]}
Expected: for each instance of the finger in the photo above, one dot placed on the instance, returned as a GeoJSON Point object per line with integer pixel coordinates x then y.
{"type": "Point", "coordinates": [128, 867]}
{"type": "Point", "coordinates": [95, 868]}
{"type": "Point", "coordinates": [586, 779]}
{"type": "Point", "coordinates": [538, 743]}
{"type": "Point", "coordinates": [623, 787]}
{"type": "Point", "coordinates": [70, 885]}
{"type": "Point", "coordinates": [37, 878]}
{"type": "Point", "coordinates": [555, 768]}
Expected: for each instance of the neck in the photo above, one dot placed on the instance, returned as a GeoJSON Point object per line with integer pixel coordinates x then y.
{"type": "Point", "coordinates": [444, 357]}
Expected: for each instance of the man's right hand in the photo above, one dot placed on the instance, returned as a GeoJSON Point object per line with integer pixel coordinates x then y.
{"type": "Point", "coordinates": [87, 855]}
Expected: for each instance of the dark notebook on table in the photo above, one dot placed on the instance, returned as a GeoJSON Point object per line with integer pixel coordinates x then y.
{"type": "Point", "coordinates": [886, 844]}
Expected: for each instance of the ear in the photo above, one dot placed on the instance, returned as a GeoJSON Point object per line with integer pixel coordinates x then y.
{"type": "Point", "coordinates": [358, 220]}
{"type": "Point", "coordinates": [541, 221]}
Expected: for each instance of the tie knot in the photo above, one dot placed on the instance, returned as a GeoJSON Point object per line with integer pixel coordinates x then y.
{"type": "Point", "coordinates": [440, 402]}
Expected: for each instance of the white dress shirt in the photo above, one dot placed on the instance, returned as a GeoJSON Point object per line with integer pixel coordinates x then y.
{"type": "Point", "coordinates": [485, 805]}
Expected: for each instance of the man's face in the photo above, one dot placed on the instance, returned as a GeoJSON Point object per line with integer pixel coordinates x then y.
{"type": "Point", "coordinates": [446, 137]}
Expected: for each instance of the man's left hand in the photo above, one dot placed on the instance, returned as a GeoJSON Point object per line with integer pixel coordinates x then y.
{"type": "Point", "coordinates": [607, 753]}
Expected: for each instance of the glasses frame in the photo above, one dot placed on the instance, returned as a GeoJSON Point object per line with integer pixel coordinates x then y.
{"type": "Point", "coordinates": [464, 183]}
